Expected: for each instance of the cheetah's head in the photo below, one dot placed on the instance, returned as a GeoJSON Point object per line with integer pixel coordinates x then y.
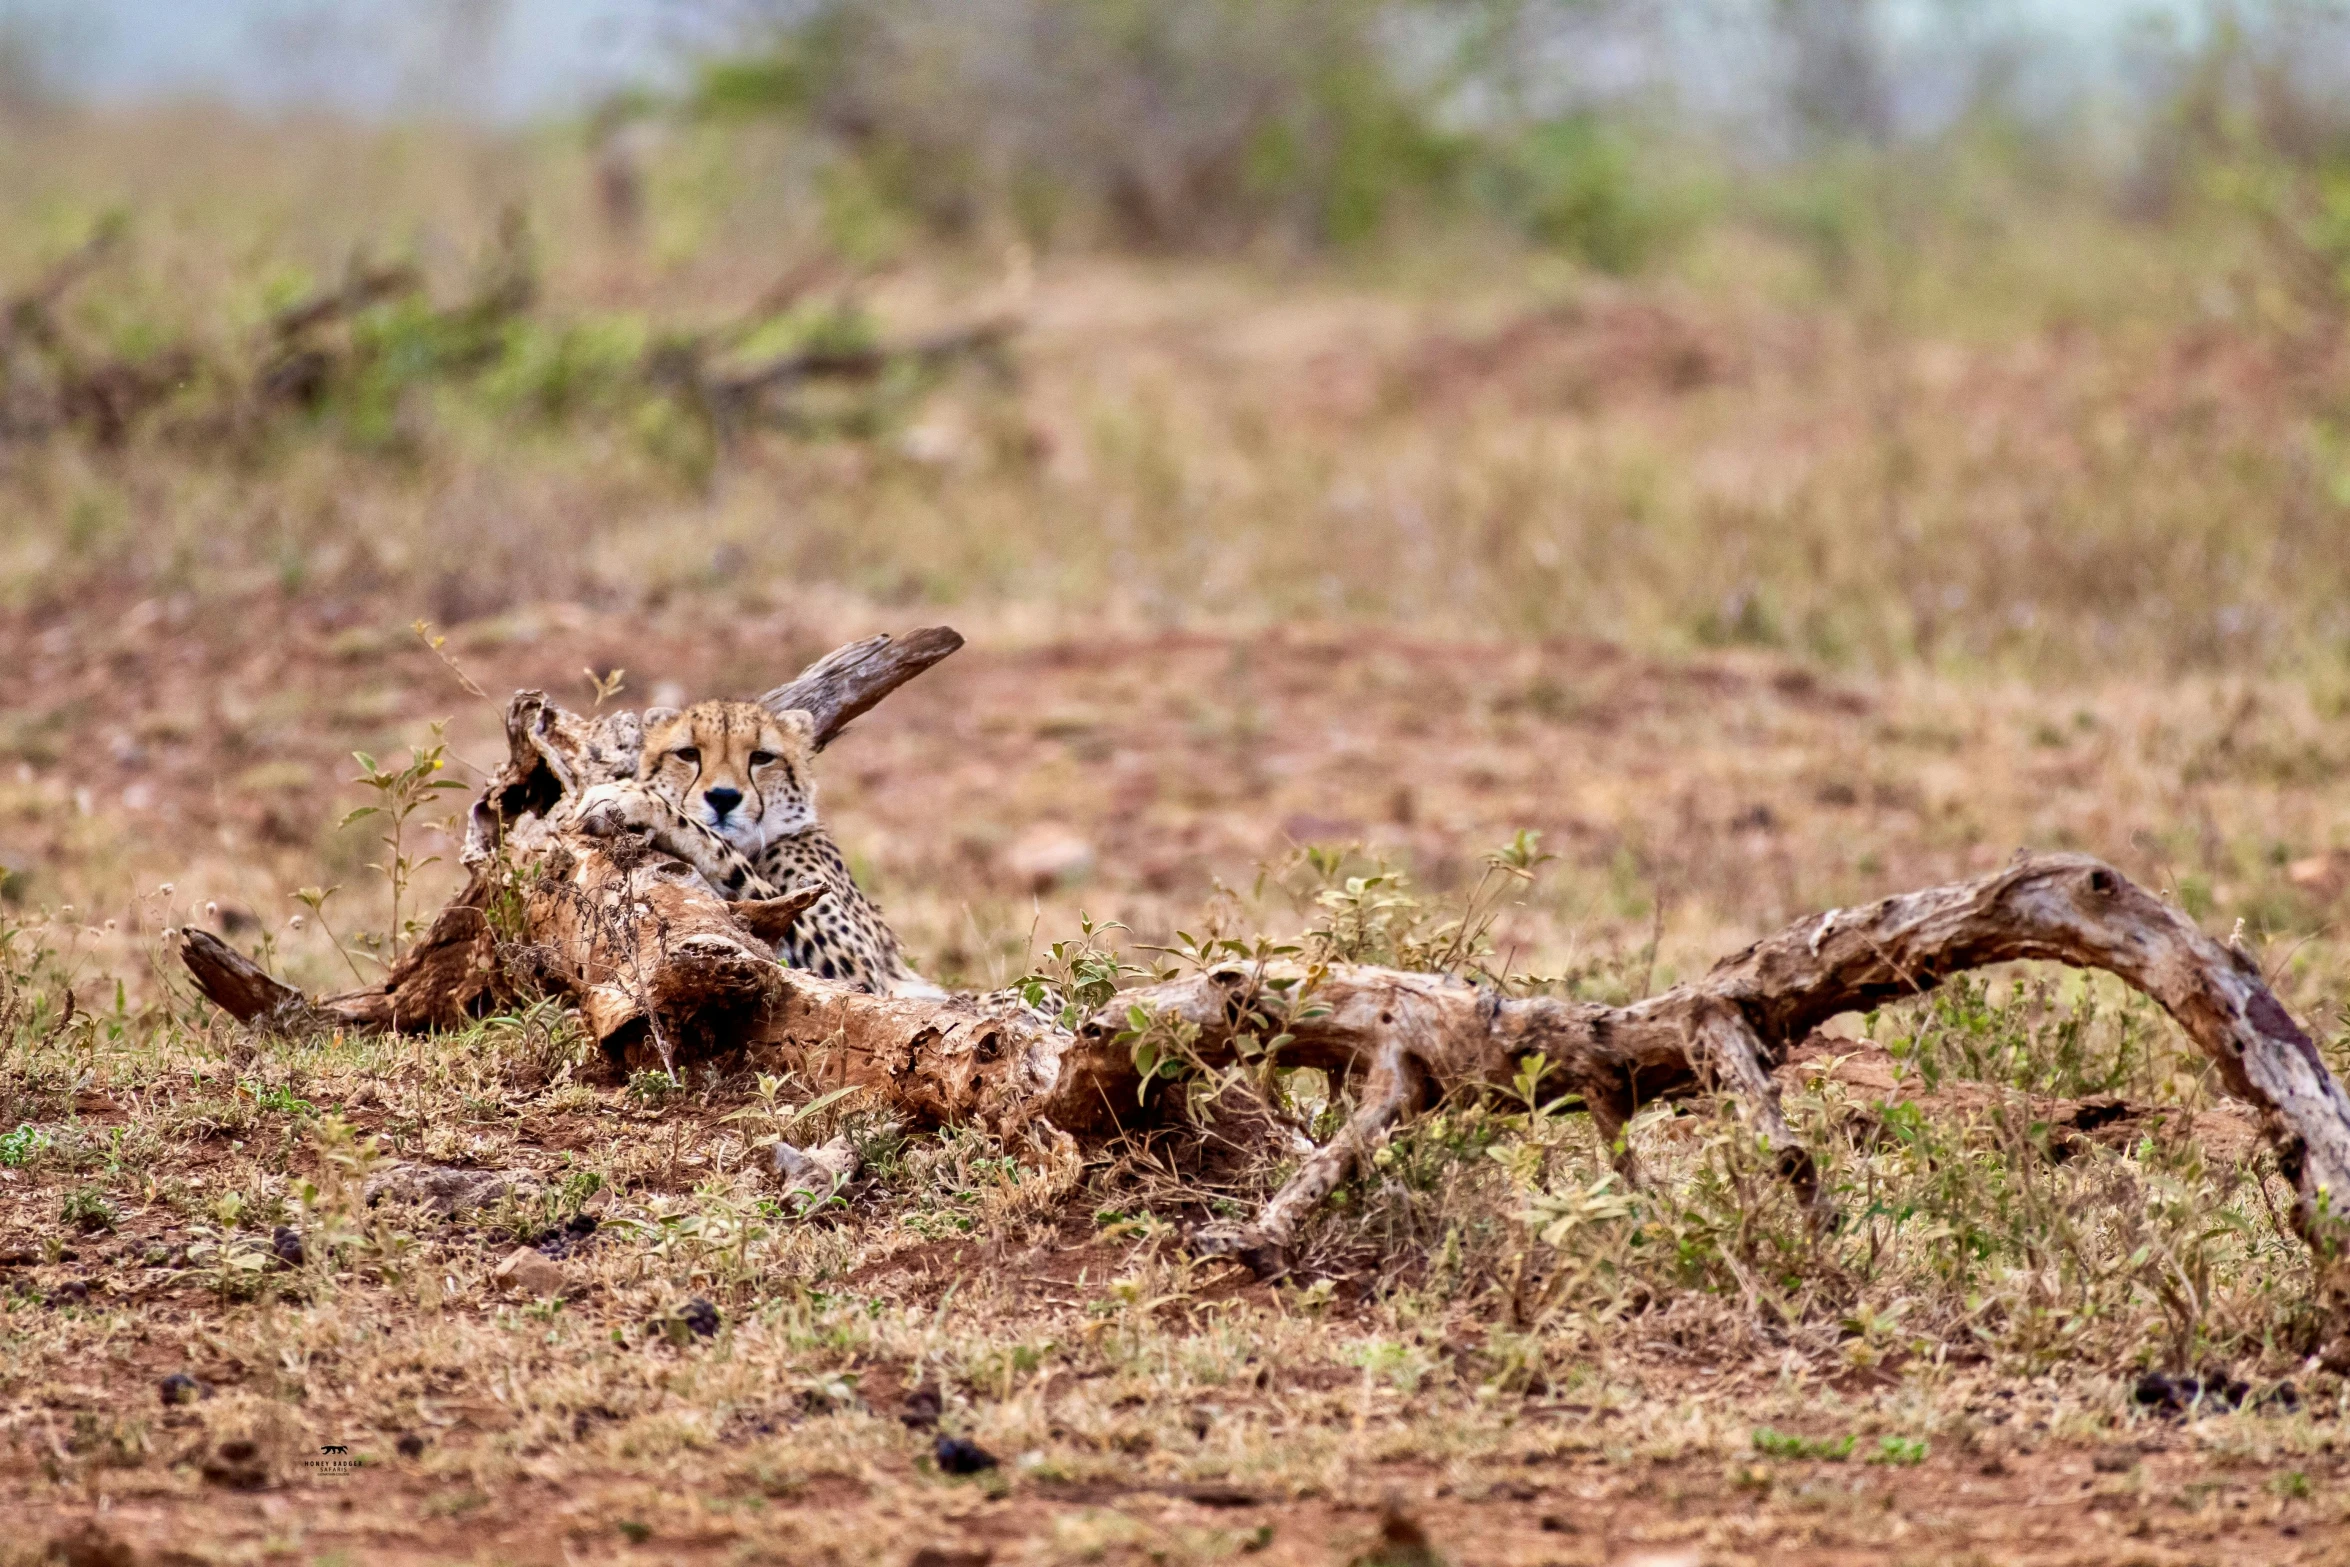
{"type": "Point", "coordinates": [735, 767]}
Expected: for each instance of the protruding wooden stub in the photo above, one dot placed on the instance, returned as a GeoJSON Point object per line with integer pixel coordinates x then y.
{"type": "Point", "coordinates": [845, 684]}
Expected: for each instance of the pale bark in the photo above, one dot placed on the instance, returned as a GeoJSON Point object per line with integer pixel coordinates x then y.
{"type": "Point", "coordinates": [2061, 908]}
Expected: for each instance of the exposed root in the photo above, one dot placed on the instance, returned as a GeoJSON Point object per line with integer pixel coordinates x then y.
{"type": "Point", "coordinates": [1389, 1090]}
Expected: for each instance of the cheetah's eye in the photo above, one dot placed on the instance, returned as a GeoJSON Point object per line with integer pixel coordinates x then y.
{"type": "Point", "coordinates": [688, 755]}
{"type": "Point", "coordinates": [762, 758]}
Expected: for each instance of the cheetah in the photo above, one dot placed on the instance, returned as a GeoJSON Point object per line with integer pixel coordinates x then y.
{"type": "Point", "coordinates": [727, 787]}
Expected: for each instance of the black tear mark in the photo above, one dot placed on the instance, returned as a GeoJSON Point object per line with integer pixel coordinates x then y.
{"type": "Point", "coordinates": [2276, 1023]}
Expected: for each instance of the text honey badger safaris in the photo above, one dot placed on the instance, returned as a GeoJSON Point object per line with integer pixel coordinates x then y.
{"type": "Point", "coordinates": [728, 787]}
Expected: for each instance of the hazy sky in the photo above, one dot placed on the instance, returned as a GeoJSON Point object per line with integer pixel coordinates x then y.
{"type": "Point", "coordinates": [518, 57]}
{"type": "Point", "coordinates": [506, 56]}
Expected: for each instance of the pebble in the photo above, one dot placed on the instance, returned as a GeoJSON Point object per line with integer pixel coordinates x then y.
{"type": "Point", "coordinates": [180, 1388]}
{"type": "Point", "coordinates": [921, 1408]}
{"type": "Point", "coordinates": [238, 1465]}
{"type": "Point", "coordinates": [960, 1456]}
{"type": "Point", "coordinates": [530, 1273]}
{"type": "Point", "coordinates": [1047, 856]}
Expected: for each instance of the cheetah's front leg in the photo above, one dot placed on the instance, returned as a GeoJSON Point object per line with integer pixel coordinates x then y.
{"type": "Point", "coordinates": [610, 809]}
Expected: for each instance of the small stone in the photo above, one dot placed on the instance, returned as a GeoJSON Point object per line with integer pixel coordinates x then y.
{"type": "Point", "coordinates": [1048, 856]}
{"type": "Point", "coordinates": [811, 1176]}
{"type": "Point", "coordinates": [2223, 1388]}
{"type": "Point", "coordinates": [697, 1318]}
{"type": "Point", "coordinates": [72, 1292]}
{"type": "Point", "coordinates": [1403, 1543]}
{"type": "Point", "coordinates": [450, 1193]}
{"type": "Point", "coordinates": [180, 1388]}
{"type": "Point", "coordinates": [237, 1465]}
{"type": "Point", "coordinates": [287, 1245]}
{"type": "Point", "coordinates": [960, 1456]}
{"type": "Point", "coordinates": [951, 1556]}
{"type": "Point", "coordinates": [527, 1272]}
{"type": "Point", "coordinates": [564, 1239]}
{"type": "Point", "coordinates": [91, 1546]}
{"type": "Point", "coordinates": [410, 1445]}
{"type": "Point", "coordinates": [2322, 876]}
{"type": "Point", "coordinates": [2212, 1392]}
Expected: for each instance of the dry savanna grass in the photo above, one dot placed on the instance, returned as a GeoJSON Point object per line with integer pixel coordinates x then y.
{"type": "Point", "coordinates": [1293, 597]}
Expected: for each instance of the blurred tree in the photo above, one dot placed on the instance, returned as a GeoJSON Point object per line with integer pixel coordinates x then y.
{"type": "Point", "coordinates": [1192, 124]}
{"type": "Point", "coordinates": [35, 49]}
{"type": "Point", "coordinates": [452, 65]}
{"type": "Point", "coordinates": [1836, 75]}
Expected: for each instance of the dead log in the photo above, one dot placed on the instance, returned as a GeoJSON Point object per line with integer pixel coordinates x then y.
{"type": "Point", "coordinates": [661, 969]}
{"type": "Point", "coordinates": [450, 977]}
{"type": "Point", "coordinates": [648, 954]}
{"type": "Point", "coordinates": [244, 989]}
{"type": "Point", "coordinates": [665, 973]}
{"type": "Point", "coordinates": [1419, 1034]}
{"type": "Point", "coordinates": [365, 286]}
{"type": "Point", "coordinates": [863, 363]}
{"type": "Point", "coordinates": [32, 314]}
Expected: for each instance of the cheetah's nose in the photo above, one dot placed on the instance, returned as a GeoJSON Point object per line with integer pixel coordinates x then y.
{"type": "Point", "coordinates": [722, 801]}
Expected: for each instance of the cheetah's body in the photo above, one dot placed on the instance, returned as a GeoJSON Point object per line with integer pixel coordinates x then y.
{"type": "Point", "coordinates": [726, 787]}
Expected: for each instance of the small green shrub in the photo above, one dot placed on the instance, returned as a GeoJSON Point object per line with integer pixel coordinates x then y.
{"type": "Point", "coordinates": [1782, 1444]}
{"type": "Point", "coordinates": [86, 1209]}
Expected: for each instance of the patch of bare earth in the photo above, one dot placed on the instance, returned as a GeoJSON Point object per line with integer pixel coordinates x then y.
{"type": "Point", "coordinates": [1140, 1405]}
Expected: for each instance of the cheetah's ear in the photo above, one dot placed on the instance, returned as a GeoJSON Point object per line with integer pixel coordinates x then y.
{"type": "Point", "coordinates": [800, 725]}
{"type": "Point", "coordinates": [657, 716]}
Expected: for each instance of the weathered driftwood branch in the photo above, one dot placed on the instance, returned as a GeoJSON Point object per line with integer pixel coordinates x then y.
{"type": "Point", "coordinates": [660, 968]}
{"type": "Point", "coordinates": [664, 972]}
{"type": "Point", "coordinates": [1740, 1019]}
{"type": "Point", "coordinates": [865, 363]}
{"type": "Point", "coordinates": [1729, 1056]}
{"type": "Point", "coordinates": [448, 979]}
{"type": "Point", "coordinates": [733, 400]}
{"type": "Point", "coordinates": [845, 684]}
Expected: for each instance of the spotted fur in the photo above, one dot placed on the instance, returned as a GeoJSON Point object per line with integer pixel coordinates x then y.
{"type": "Point", "coordinates": [629, 806]}
{"type": "Point", "coordinates": [727, 787]}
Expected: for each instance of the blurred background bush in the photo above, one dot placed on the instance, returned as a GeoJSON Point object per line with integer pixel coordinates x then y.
{"type": "Point", "coordinates": [1875, 330]}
